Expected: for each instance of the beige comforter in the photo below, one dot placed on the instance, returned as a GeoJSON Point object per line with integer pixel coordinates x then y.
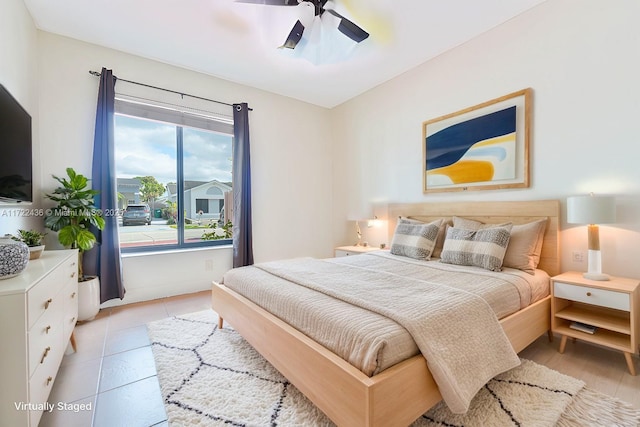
{"type": "Point", "coordinates": [462, 355]}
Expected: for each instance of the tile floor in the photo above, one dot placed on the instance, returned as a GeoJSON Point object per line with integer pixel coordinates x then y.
{"type": "Point", "coordinates": [113, 368]}
{"type": "Point", "coordinates": [114, 371]}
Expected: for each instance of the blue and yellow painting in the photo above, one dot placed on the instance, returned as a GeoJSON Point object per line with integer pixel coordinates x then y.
{"type": "Point", "coordinates": [482, 149]}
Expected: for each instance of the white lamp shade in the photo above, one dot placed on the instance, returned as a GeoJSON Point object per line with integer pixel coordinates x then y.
{"type": "Point", "coordinates": [591, 210]}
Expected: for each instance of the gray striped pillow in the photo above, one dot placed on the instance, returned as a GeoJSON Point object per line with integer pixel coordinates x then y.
{"type": "Point", "coordinates": [414, 239]}
{"type": "Point", "coordinates": [481, 248]}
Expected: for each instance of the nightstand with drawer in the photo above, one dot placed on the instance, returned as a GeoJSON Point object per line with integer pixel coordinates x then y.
{"type": "Point", "coordinates": [612, 307]}
{"type": "Point", "coordinates": [353, 250]}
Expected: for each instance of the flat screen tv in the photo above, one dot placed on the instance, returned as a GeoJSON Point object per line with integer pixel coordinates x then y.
{"type": "Point", "coordinates": [15, 151]}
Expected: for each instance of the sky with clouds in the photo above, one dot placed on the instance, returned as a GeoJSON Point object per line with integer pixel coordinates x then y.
{"type": "Point", "coordinates": [145, 147]}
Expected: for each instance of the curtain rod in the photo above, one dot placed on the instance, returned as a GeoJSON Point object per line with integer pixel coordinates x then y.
{"type": "Point", "coordinates": [97, 74]}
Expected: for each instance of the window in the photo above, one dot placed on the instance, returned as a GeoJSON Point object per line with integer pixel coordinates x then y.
{"type": "Point", "coordinates": [202, 206]}
{"type": "Point", "coordinates": [173, 171]}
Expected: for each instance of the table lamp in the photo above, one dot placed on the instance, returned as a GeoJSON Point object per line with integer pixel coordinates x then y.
{"type": "Point", "coordinates": [358, 233]}
{"type": "Point", "coordinates": [371, 222]}
{"type": "Point", "coordinates": [592, 210]}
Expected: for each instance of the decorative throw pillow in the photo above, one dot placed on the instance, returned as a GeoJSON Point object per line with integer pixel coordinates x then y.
{"type": "Point", "coordinates": [415, 239]}
{"type": "Point", "coordinates": [446, 222]}
{"type": "Point", "coordinates": [525, 243]}
{"type": "Point", "coordinates": [481, 248]}
{"type": "Point", "coordinates": [472, 224]}
{"type": "Point", "coordinates": [442, 233]}
{"type": "Point", "coordinates": [525, 246]}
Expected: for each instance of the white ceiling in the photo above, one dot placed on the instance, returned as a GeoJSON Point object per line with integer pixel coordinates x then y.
{"type": "Point", "coordinates": [238, 41]}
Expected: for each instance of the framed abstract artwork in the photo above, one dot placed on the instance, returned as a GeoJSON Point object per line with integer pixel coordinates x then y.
{"type": "Point", "coordinates": [479, 148]}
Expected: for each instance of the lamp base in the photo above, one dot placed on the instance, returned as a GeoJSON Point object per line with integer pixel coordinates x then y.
{"type": "Point", "coordinates": [594, 269]}
{"type": "Point", "coordinates": [596, 276]}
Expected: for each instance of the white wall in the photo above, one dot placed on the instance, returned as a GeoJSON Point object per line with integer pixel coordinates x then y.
{"type": "Point", "coordinates": [151, 276]}
{"type": "Point", "coordinates": [18, 73]}
{"type": "Point", "coordinates": [582, 62]}
{"type": "Point", "coordinates": [291, 159]}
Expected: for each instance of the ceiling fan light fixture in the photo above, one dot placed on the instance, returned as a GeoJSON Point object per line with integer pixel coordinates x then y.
{"type": "Point", "coordinates": [348, 28]}
{"type": "Point", "coordinates": [316, 36]}
{"type": "Point", "coordinates": [352, 31]}
{"type": "Point", "coordinates": [294, 36]}
{"type": "Point", "coordinates": [271, 2]}
{"type": "Point", "coordinates": [322, 44]}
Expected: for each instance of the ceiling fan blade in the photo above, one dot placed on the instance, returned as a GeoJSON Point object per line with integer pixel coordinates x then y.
{"type": "Point", "coordinates": [348, 28]}
{"type": "Point", "coordinates": [271, 2]}
{"type": "Point", "coordinates": [294, 36]}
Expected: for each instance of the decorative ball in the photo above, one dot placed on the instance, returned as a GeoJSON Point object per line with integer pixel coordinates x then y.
{"type": "Point", "coordinates": [14, 257]}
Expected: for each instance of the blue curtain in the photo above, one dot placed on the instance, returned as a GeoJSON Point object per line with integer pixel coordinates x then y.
{"type": "Point", "coordinates": [242, 234]}
{"type": "Point", "coordinates": [104, 259]}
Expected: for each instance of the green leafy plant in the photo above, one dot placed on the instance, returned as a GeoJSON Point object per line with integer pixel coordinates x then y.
{"type": "Point", "coordinates": [29, 237]}
{"type": "Point", "coordinates": [170, 213]}
{"type": "Point", "coordinates": [227, 231]}
{"type": "Point", "coordinates": [74, 214]}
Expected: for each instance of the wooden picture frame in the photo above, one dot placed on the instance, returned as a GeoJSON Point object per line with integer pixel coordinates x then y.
{"type": "Point", "coordinates": [484, 147]}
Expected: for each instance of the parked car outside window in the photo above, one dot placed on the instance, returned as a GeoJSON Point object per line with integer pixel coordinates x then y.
{"type": "Point", "coordinates": [137, 213]}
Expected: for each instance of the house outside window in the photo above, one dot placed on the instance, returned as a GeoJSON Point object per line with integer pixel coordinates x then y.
{"type": "Point", "coordinates": [180, 167]}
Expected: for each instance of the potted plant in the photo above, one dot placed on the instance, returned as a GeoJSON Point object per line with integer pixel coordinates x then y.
{"type": "Point", "coordinates": [33, 239]}
{"type": "Point", "coordinates": [72, 218]}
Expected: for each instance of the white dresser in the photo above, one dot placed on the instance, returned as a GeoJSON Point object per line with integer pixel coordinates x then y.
{"type": "Point", "coordinates": [38, 311]}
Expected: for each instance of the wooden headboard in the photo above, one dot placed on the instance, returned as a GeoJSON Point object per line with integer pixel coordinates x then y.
{"type": "Point", "coordinates": [517, 212]}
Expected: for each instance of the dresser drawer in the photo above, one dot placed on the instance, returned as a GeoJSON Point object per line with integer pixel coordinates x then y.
{"type": "Point", "coordinates": [71, 271]}
{"type": "Point", "coordinates": [70, 316]}
{"type": "Point", "coordinates": [41, 383]}
{"type": "Point", "coordinates": [599, 297]}
{"type": "Point", "coordinates": [46, 334]}
{"type": "Point", "coordinates": [44, 295]}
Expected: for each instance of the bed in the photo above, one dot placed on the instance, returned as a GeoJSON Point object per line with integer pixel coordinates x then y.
{"type": "Point", "coordinates": [401, 393]}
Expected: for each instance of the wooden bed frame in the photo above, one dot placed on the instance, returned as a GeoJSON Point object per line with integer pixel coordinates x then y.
{"type": "Point", "coordinates": [400, 394]}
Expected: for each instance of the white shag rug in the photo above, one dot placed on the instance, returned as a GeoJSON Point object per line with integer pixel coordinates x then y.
{"type": "Point", "coordinates": [210, 377]}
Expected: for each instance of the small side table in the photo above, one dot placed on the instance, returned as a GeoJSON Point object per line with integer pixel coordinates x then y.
{"type": "Point", "coordinates": [612, 307]}
{"type": "Point", "coordinates": [353, 250]}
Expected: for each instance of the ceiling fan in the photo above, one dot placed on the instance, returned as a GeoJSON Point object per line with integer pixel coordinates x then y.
{"type": "Point", "coordinates": [345, 26]}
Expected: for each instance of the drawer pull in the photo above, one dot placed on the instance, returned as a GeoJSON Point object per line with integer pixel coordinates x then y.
{"type": "Point", "coordinates": [73, 274]}
{"type": "Point", "coordinates": [46, 330]}
{"type": "Point", "coordinates": [47, 303]}
{"type": "Point", "coordinates": [73, 320]}
{"type": "Point", "coordinates": [46, 352]}
{"type": "Point", "coordinates": [49, 380]}
{"type": "Point", "coordinates": [73, 295]}
{"type": "Point", "coordinates": [588, 294]}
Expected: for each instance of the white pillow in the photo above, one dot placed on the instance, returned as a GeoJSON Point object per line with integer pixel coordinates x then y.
{"type": "Point", "coordinates": [525, 246]}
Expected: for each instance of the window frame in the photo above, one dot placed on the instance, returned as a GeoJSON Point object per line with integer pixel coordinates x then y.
{"type": "Point", "coordinates": [181, 119]}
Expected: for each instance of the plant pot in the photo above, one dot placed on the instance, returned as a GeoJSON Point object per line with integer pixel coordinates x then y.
{"type": "Point", "coordinates": [88, 299]}
{"type": "Point", "coordinates": [35, 251]}
{"type": "Point", "coordinates": [14, 257]}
